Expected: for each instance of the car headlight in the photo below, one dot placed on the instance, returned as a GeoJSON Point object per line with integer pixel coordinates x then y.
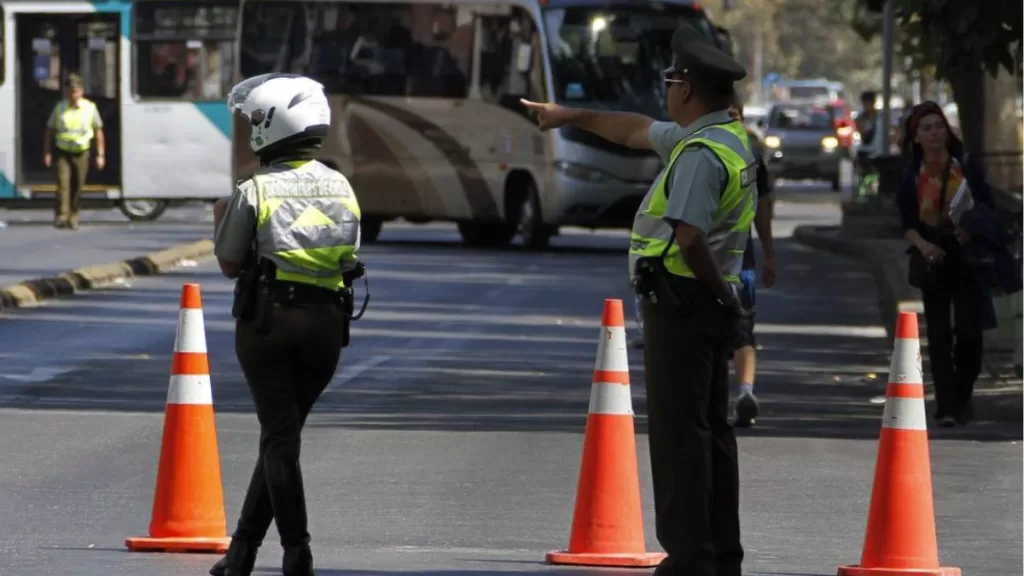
{"type": "Point", "coordinates": [772, 141]}
{"type": "Point", "coordinates": [845, 131]}
{"type": "Point", "coordinates": [581, 172]}
{"type": "Point", "coordinates": [829, 143]}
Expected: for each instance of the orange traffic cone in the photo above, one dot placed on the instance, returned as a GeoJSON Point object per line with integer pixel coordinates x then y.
{"type": "Point", "coordinates": [900, 538]}
{"type": "Point", "coordinates": [607, 524]}
{"type": "Point", "coordinates": [188, 507]}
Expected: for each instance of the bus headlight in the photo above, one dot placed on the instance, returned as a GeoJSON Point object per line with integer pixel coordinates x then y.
{"type": "Point", "coordinates": [772, 141]}
{"type": "Point", "coordinates": [581, 172]}
{"type": "Point", "coordinates": [829, 143]}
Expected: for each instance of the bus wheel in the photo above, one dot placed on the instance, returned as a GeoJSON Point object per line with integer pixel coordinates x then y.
{"type": "Point", "coordinates": [369, 229]}
{"type": "Point", "coordinates": [529, 221]}
{"type": "Point", "coordinates": [142, 210]}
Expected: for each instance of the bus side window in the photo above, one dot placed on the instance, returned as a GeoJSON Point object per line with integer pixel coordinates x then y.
{"type": "Point", "coordinates": [269, 31]}
{"type": "Point", "coordinates": [184, 49]}
{"type": "Point", "coordinates": [439, 61]}
{"type": "Point", "coordinates": [505, 39]}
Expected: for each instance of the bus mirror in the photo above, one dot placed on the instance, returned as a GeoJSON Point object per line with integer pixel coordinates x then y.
{"type": "Point", "coordinates": [524, 58]}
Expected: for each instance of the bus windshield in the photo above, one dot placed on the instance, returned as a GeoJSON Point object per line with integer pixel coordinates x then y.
{"type": "Point", "coordinates": [612, 57]}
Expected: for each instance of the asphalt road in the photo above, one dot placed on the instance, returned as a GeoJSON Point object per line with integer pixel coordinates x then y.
{"type": "Point", "coordinates": [449, 442]}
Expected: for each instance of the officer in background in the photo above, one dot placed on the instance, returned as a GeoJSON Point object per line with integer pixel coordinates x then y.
{"type": "Point", "coordinates": [685, 257]}
{"type": "Point", "coordinates": [73, 124]}
{"type": "Point", "coordinates": [290, 235]}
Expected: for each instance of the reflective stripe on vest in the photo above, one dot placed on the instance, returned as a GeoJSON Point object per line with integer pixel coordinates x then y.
{"type": "Point", "coordinates": [74, 131]}
{"type": "Point", "coordinates": [307, 223]}
{"type": "Point", "coordinates": [730, 228]}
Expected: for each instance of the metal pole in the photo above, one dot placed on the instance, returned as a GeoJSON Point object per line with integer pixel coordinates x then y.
{"type": "Point", "coordinates": [887, 56]}
{"type": "Point", "coordinates": [759, 60]}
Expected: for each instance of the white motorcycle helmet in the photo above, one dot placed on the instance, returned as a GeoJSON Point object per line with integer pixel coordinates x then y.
{"type": "Point", "coordinates": [282, 109]}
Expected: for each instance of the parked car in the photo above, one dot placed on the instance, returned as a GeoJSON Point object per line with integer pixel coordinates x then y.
{"type": "Point", "coordinates": [801, 142]}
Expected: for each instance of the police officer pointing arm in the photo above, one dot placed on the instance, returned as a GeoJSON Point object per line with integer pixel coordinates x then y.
{"type": "Point", "coordinates": [686, 253]}
{"type": "Point", "coordinates": [289, 235]}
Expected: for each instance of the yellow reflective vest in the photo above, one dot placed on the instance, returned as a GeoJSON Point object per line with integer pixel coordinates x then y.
{"type": "Point", "coordinates": [653, 237]}
{"type": "Point", "coordinates": [74, 126]}
{"type": "Point", "coordinates": [307, 222]}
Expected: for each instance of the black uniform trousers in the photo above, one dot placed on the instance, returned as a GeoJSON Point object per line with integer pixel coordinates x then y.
{"type": "Point", "coordinates": [952, 309]}
{"type": "Point", "coordinates": [693, 446]}
{"type": "Point", "coordinates": [286, 371]}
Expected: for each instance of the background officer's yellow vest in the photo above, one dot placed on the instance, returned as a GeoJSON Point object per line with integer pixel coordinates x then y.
{"type": "Point", "coordinates": [307, 223]}
{"type": "Point", "coordinates": [74, 131]}
{"type": "Point", "coordinates": [653, 237]}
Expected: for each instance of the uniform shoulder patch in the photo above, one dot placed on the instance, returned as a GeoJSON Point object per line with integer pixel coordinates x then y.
{"type": "Point", "coordinates": [247, 189]}
{"type": "Point", "coordinates": [247, 185]}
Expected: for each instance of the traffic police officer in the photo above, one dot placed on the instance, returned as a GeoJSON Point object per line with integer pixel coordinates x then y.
{"type": "Point", "coordinates": [296, 224]}
{"type": "Point", "coordinates": [685, 257]}
{"type": "Point", "coordinates": [73, 124]}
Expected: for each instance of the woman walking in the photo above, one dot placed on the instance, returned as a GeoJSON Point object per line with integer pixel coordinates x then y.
{"type": "Point", "coordinates": [952, 292]}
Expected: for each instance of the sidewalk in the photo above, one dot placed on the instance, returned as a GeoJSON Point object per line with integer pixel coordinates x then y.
{"type": "Point", "coordinates": [38, 262]}
{"type": "Point", "coordinates": [999, 391]}
{"type": "Point", "coordinates": [37, 251]}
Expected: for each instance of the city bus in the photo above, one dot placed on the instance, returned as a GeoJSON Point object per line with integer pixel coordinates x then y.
{"type": "Point", "coordinates": [428, 123]}
{"type": "Point", "coordinates": [159, 73]}
{"type": "Point", "coordinates": [427, 120]}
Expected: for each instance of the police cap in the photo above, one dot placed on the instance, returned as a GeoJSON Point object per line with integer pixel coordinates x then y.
{"type": "Point", "coordinates": [74, 82]}
{"type": "Point", "coordinates": [693, 52]}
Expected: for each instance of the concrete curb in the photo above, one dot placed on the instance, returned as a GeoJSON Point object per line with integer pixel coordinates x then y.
{"type": "Point", "coordinates": [890, 272]}
{"type": "Point", "coordinates": [32, 292]}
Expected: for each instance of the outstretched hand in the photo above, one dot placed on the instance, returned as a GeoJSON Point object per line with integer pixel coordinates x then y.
{"type": "Point", "coordinates": [548, 115]}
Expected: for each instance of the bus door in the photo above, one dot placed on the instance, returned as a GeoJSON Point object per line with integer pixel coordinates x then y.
{"type": "Point", "coordinates": [49, 48]}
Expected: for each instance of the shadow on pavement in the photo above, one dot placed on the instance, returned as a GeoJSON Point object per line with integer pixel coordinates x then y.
{"type": "Point", "coordinates": [490, 346]}
{"type": "Point", "coordinates": [545, 570]}
{"type": "Point", "coordinates": [503, 566]}
{"type": "Point", "coordinates": [607, 246]}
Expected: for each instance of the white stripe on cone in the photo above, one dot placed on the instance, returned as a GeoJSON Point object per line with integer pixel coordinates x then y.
{"type": "Point", "coordinates": [905, 370]}
{"type": "Point", "coordinates": [611, 399]}
{"type": "Point", "coordinates": [611, 350]}
{"type": "Point", "coordinates": [905, 367]}
{"type": "Point", "coordinates": [191, 336]}
{"type": "Point", "coordinates": [904, 414]}
{"type": "Point", "coordinates": [190, 389]}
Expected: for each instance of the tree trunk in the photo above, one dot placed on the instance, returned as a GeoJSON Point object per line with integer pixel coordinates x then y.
{"type": "Point", "coordinates": [1002, 131]}
{"type": "Point", "coordinates": [1001, 125]}
{"type": "Point", "coordinates": [970, 97]}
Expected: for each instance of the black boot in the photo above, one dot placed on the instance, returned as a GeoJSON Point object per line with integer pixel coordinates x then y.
{"type": "Point", "coordinates": [239, 561]}
{"type": "Point", "coordinates": [298, 561]}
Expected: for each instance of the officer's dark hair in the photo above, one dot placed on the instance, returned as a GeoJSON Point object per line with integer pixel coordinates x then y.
{"type": "Point", "coordinates": [868, 95]}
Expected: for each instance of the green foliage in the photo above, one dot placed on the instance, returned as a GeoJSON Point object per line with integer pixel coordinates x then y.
{"type": "Point", "coordinates": [801, 39]}
{"type": "Point", "coordinates": [953, 35]}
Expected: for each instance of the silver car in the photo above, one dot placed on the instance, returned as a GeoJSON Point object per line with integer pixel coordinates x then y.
{"type": "Point", "coordinates": [800, 142]}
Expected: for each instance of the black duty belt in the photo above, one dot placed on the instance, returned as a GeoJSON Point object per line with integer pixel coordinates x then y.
{"type": "Point", "coordinates": [291, 293]}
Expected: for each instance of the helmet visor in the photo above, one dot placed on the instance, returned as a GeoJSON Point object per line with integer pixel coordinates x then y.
{"type": "Point", "coordinates": [240, 93]}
